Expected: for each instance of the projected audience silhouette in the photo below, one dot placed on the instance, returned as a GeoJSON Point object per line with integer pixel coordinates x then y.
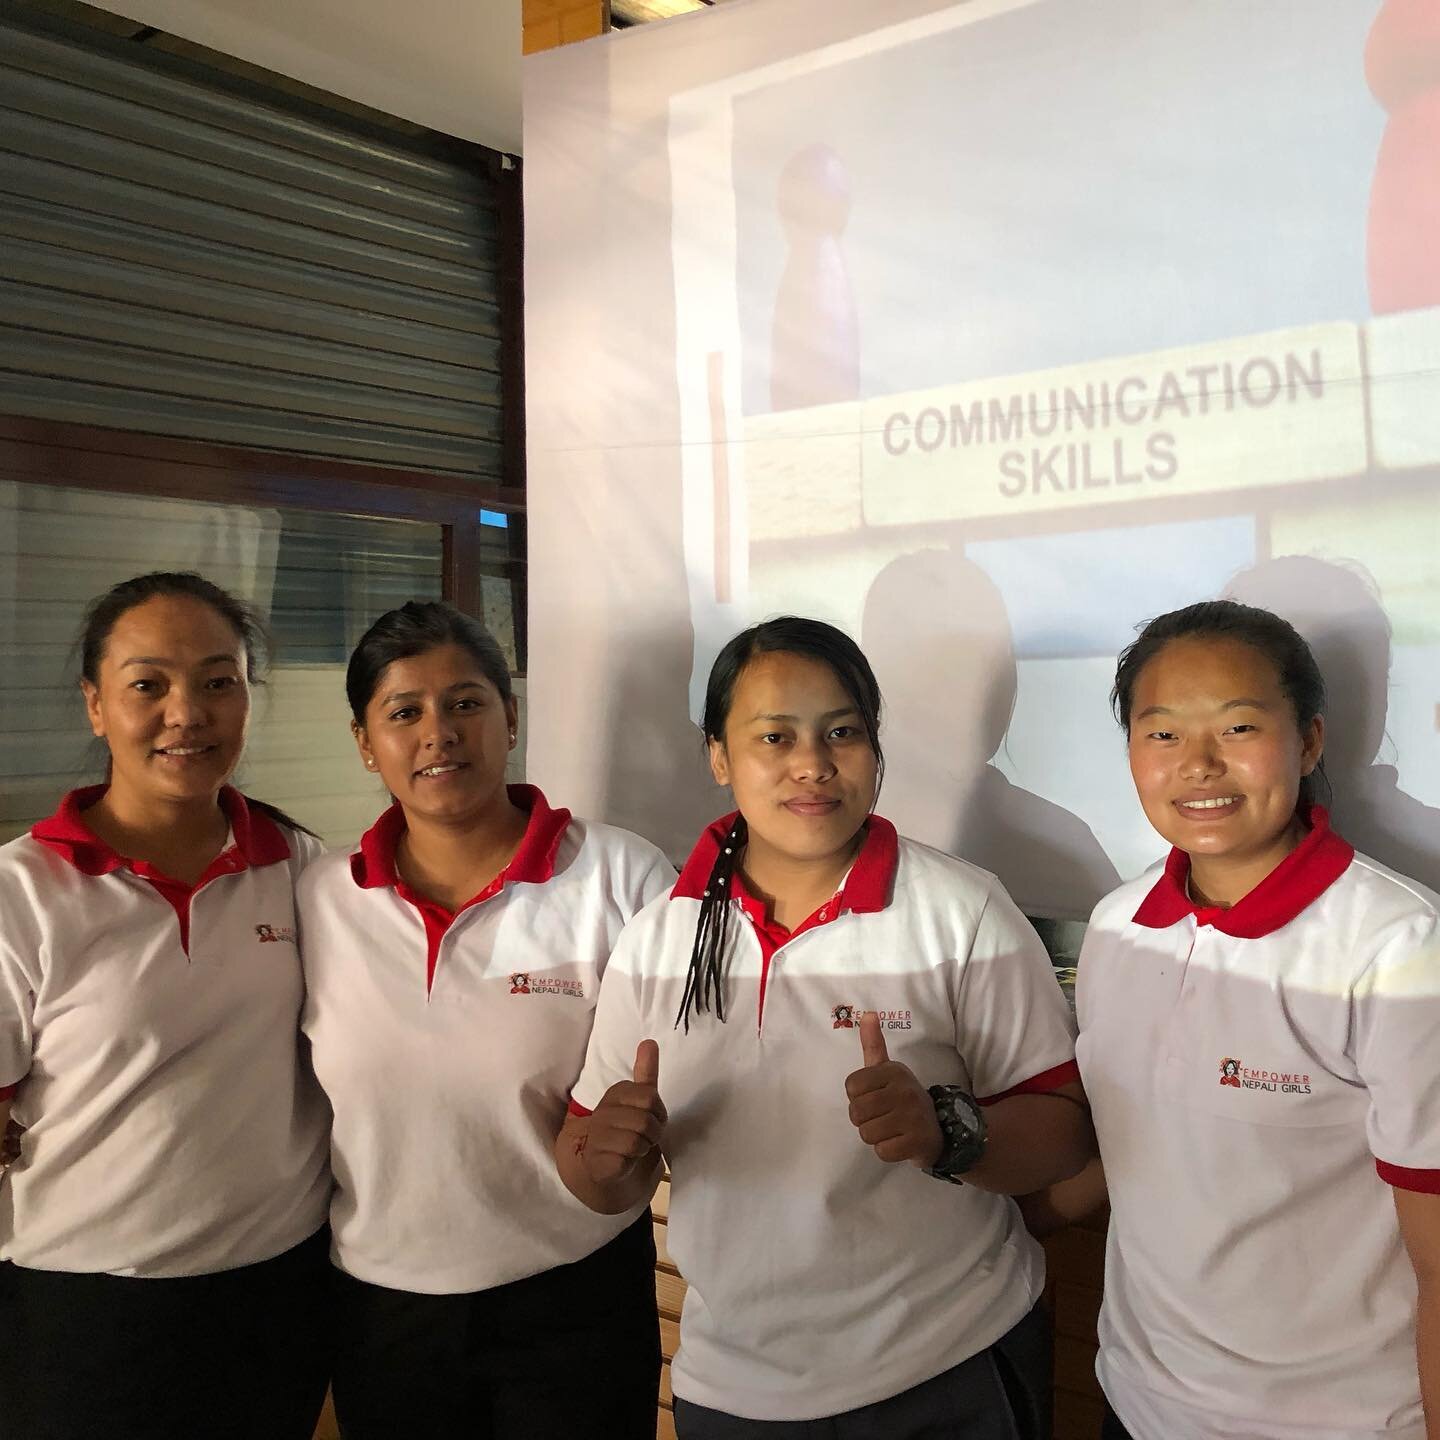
{"type": "Point", "coordinates": [815, 343]}
{"type": "Point", "coordinates": [938, 634]}
{"type": "Point", "coordinates": [1337, 609]}
{"type": "Point", "coordinates": [1402, 66]}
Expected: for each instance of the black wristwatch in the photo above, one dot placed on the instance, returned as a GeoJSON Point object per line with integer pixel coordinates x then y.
{"type": "Point", "coordinates": [962, 1123]}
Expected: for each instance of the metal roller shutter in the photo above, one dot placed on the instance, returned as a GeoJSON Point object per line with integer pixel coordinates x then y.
{"type": "Point", "coordinates": [186, 255]}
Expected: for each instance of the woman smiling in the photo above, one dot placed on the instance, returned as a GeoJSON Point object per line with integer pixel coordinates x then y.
{"type": "Point", "coordinates": [453, 962]}
{"type": "Point", "coordinates": [163, 1224]}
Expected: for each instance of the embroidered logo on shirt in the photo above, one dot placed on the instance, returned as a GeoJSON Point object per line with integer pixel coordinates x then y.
{"type": "Point", "coordinates": [1242, 1077]}
{"type": "Point", "coordinates": [894, 1019]}
{"type": "Point", "coordinates": [523, 984]}
{"type": "Point", "coordinates": [275, 934]}
{"type": "Point", "coordinates": [847, 1017]}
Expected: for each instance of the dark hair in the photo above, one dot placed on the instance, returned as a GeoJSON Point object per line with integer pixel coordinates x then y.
{"type": "Point", "coordinates": [412, 629]}
{"type": "Point", "coordinates": [1276, 639]}
{"type": "Point", "coordinates": [105, 610]}
{"type": "Point", "coordinates": [788, 635]}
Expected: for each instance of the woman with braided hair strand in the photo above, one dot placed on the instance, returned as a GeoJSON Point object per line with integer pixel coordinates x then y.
{"type": "Point", "coordinates": [808, 977]}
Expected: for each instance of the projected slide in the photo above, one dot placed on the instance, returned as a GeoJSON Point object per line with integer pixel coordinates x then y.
{"type": "Point", "coordinates": [1002, 328]}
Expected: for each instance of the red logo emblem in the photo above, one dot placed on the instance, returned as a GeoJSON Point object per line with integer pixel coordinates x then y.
{"type": "Point", "coordinates": [1230, 1072]}
{"type": "Point", "coordinates": [843, 1017]}
{"type": "Point", "coordinates": [520, 984]}
{"type": "Point", "coordinates": [275, 934]}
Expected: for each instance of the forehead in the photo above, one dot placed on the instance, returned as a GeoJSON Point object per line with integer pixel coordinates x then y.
{"type": "Point", "coordinates": [438, 668]}
{"type": "Point", "coordinates": [1198, 671]}
{"type": "Point", "coordinates": [786, 684]}
{"type": "Point", "coordinates": [172, 627]}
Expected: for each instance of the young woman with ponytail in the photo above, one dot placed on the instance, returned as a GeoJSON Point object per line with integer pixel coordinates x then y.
{"type": "Point", "coordinates": [1258, 1036]}
{"type": "Point", "coordinates": [162, 1229]}
{"type": "Point", "coordinates": [453, 960]}
{"type": "Point", "coordinates": [791, 999]}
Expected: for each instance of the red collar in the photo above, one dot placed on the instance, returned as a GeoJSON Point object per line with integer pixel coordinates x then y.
{"type": "Point", "coordinates": [258, 839]}
{"type": "Point", "coordinates": [866, 888]}
{"type": "Point", "coordinates": [1310, 869]}
{"type": "Point", "coordinates": [373, 864]}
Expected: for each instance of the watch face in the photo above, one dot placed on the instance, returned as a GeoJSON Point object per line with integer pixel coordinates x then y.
{"type": "Point", "coordinates": [962, 1123]}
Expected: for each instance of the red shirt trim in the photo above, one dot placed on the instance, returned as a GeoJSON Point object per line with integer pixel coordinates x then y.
{"type": "Point", "coordinates": [1041, 1084]}
{"type": "Point", "coordinates": [1310, 869]}
{"type": "Point", "coordinates": [258, 841]}
{"type": "Point", "coordinates": [577, 1109]}
{"type": "Point", "coordinates": [772, 934]}
{"type": "Point", "coordinates": [1425, 1182]}
{"type": "Point", "coordinates": [372, 866]}
{"type": "Point", "coordinates": [866, 888]}
{"type": "Point", "coordinates": [7, 1092]}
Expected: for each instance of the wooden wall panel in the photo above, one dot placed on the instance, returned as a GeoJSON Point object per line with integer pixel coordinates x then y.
{"type": "Point", "coordinates": [548, 23]}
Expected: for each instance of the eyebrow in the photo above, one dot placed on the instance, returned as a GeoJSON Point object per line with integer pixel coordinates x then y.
{"type": "Point", "coordinates": [1245, 703]}
{"type": "Point", "coordinates": [395, 695]}
{"type": "Point", "coordinates": [161, 663]}
{"type": "Point", "coordinates": [795, 719]}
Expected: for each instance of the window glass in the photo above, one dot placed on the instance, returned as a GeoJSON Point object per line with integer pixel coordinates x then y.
{"type": "Point", "coordinates": [317, 579]}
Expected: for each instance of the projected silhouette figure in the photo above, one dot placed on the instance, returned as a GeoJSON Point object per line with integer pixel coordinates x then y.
{"type": "Point", "coordinates": [815, 340]}
{"type": "Point", "coordinates": [1402, 66]}
{"type": "Point", "coordinates": [937, 632]}
{"type": "Point", "coordinates": [1336, 607]}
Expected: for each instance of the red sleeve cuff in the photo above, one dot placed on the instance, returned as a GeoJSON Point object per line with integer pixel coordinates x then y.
{"type": "Point", "coordinates": [7, 1092]}
{"type": "Point", "coordinates": [577, 1109]}
{"type": "Point", "coordinates": [1426, 1182]}
{"type": "Point", "coordinates": [1052, 1079]}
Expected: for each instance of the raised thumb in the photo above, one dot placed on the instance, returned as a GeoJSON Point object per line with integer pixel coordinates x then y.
{"type": "Point", "coordinates": [647, 1063]}
{"type": "Point", "coordinates": [872, 1040]}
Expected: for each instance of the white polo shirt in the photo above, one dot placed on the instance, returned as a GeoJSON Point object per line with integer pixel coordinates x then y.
{"type": "Point", "coordinates": [1261, 1076]}
{"type": "Point", "coordinates": [150, 1033]}
{"type": "Point", "coordinates": [821, 1278]}
{"type": "Point", "coordinates": [448, 1044]}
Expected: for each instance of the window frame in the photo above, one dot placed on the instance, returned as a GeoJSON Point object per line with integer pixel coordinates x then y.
{"type": "Point", "coordinates": [86, 457]}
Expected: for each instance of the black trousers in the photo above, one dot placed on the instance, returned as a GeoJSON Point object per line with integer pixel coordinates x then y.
{"type": "Point", "coordinates": [1002, 1393]}
{"type": "Point", "coordinates": [1111, 1428]}
{"type": "Point", "coordinates": [570, 1354]}
{"type": "Point", "coordinates": [238, 1355]}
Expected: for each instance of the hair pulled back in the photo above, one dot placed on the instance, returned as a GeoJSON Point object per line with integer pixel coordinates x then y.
{"type": "Point", "coordinates": [413, 629]}
{"type": "Point", "coordinates": [1262, 630]}
{"type": "Point", "coordinates": [103, 613]}
{"type": "Point", "coordinates": [788, 635]}
{"type": "Point", "coordinates": [106, 609]}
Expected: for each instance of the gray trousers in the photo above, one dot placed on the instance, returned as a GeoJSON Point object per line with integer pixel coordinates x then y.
{"type": "Point", "coordinates": [1002, 1393]}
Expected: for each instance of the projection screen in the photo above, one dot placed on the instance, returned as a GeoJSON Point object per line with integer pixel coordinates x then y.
{"type": "Point", "coordinates": [986, 331]}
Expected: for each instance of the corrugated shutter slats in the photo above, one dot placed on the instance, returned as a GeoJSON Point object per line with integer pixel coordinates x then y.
{"type": "Point", "coordinates": [179, 259]}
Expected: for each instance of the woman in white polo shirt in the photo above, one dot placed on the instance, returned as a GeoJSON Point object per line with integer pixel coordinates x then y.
{"type": "Point", "coordinates": [1260, 1041]}
{"type": "Point", "coordinates": [162, 1227]}
{"type": "Point", "coordinates": [453, 962]}
{"type": "Point", "coordinates": [791, 999]}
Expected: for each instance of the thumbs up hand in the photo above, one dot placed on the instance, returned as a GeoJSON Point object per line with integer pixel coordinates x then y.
{"type": "Point", "coordinates": [890, 1108]}
{"type": "Point", "coordinates": [627, 1128]}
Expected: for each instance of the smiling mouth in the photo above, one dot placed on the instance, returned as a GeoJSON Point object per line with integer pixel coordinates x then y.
{"type": "Point", "coordinates": [431, 772]}
{"type": "Point", "coordinates": [182, 752]}
{"type": "Point", "coordinates": [1210, 808]}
